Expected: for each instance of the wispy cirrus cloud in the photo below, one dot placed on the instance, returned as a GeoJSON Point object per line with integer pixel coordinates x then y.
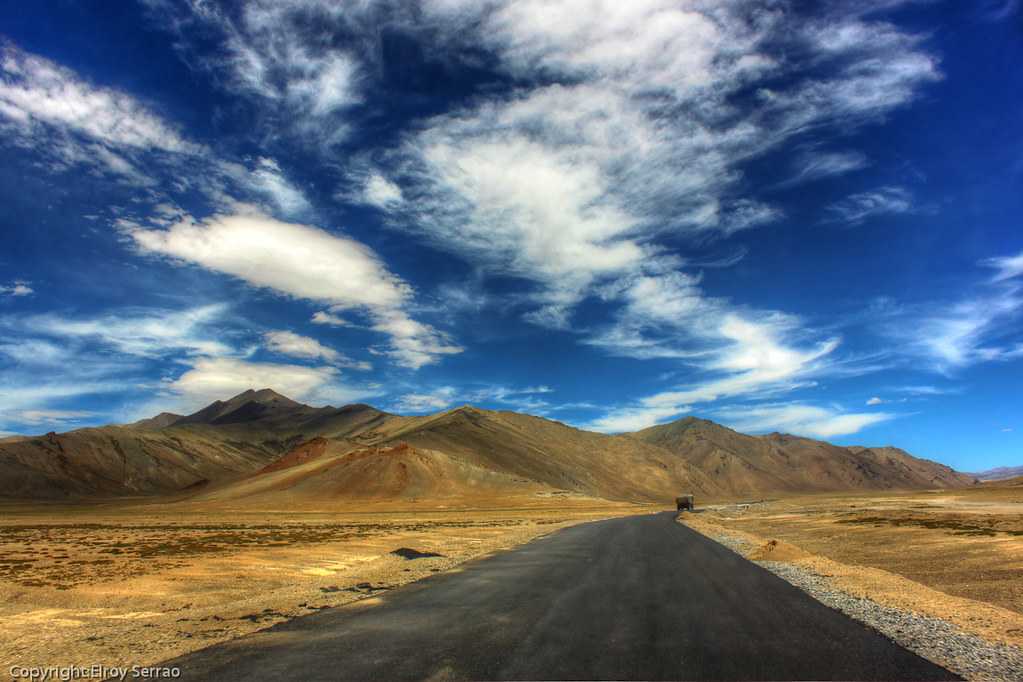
{"type": "Point", "coordinates": [442, 397]}
{"type": "Point", "coordinates": [983, 325]}
{"type": "Point", "coordinates": [36, 417]}
{"type": "Point", "coordinates": [927, 390]}
{"type": "Point", "coordinates": [432, 401]}
{"type": "Point", "coordinates": [753, 359]}
{"type": "Point", "coordinates": [614, 137]}
{"type": "Point", "coordinates": [814, 164]}
{"type": "Point", "coordinates": [800, 419]}
{"type": "Point", "coordinates": [73, 123]}
{"type": "Point", "coordinates": [142, 333]}
{"type": "Point", "coordinates": [16, 288]}
{"type": "Point", "coordinates": [38, 92]}
{"type": "Point", "coordinates": [381, 192]}
{"type": "Point", "coordinates": [26, 400]}
{"type": "Point", "coordinates": [621, 127]}
{"type": "Point", "coordinates": [857, 208]}
{"type": "Point", "coordinates": [285, 56]}
{"type": "Point", "coordinates": [1006, 267]}
{"type": "Point", "coordinates": [998, 10]}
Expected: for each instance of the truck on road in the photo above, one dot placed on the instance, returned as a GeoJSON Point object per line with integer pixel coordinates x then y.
{"type": "Point", "coordinates": [685, 502]}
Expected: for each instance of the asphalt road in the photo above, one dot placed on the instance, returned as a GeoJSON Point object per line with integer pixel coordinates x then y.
{"type": "Point", "coordinates": [637, 598]}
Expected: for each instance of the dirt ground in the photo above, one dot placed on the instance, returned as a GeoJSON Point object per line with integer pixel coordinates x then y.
{"type": "Point", "coordinates": [137, 585]}
{"type": "Point", "coordinates": [956, 555]}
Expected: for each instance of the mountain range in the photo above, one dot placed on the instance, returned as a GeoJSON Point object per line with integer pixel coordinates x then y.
{"type": "Point", "coordinates": [264, 448]}
{"type": "Point", "coordinates": [999, 474]}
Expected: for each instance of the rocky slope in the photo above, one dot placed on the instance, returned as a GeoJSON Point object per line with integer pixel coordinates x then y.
{"type": "Point", "coordinates": [262, 443]}
{"type": "Point", "coordinates": [741, 464]}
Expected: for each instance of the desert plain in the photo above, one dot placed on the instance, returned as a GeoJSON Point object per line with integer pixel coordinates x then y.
{"type": "Point", "coordinates": [138, 583]}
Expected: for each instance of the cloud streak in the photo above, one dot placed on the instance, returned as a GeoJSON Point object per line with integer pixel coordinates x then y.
{"type": "Point", "coordinates": [16, 288]}
{"type": "Point", "coordinates": [856, 209]}
{"type": "Point", "coordinates": [800, 419]}
{"type": "Point", "coordinates": [307, 263]}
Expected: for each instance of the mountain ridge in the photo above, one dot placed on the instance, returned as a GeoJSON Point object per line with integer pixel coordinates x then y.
{"type": "Point", "coordinates": [999, 473]}
{"type": "Point", "coordinates": [228, 442]}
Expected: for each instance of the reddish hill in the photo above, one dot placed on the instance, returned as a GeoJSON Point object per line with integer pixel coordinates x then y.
{"type": "Point", "coordinates": [300, 454]}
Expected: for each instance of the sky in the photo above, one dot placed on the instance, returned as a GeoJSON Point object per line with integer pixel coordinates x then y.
{"type": "Point", "coordinates": [781, 216]}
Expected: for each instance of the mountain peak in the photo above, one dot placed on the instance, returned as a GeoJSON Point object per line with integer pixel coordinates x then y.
{"type": "Point", "coordinates": [263, 396]}
{"type": "Point", "coordinates": [246, 406]}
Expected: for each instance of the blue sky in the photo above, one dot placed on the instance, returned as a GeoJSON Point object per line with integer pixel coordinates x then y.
{"type": "Point", "coordinates": [771, 214]}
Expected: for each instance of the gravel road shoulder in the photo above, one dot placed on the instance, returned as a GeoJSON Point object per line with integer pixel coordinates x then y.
{"type": "Point", "coordinates": [936, 639]}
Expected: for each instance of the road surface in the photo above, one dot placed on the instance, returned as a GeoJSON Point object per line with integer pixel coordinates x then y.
{"type": "Point", "coordinates": [635, 598]}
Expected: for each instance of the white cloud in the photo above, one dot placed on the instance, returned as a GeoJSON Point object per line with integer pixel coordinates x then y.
{"type": "Point", "coordinates": [749, 357]}
{"type": "Point", "coordinates": [270, 51]}
{"type": "Point", "coordinates": [29, 351]}
{"type": "Point", "coordinates": [212, 379]}
{"type": "Point", "coordinates": [305, 262]}
{"type": "Point", "coordinates": [622, 127]}
{"type": "Point", "coordinates": [323, 317]}
{"type": "Point", "coordinates": [616, 136]}
{"type": "Point", "coordinates": [413, 344]}
{"type": "Point", "coordinates": [144, 333]}
{"type": "Point", "coordinates": [924, 390]}
{"type": "Point", "coordinates": [1008, 267]}
{"type": "Point", "coordinates": [982, 324]}
{"type": "Point", "coordinates": [16, 288]}
{"type": "Point", "coordinates": [519, 398]}
{"type": "Point", "coordinates": [380, 191]}
{"type": "Point", "coordinates": [31, 393]}
{"type": "Point", "coordinates": [433, 401]}
{"type": "Point", "coordinates": [963, 333]}
{"type": "Point", "coordinates": [69, 122]}
{"type": "Point", "coordinates": [800, 419]}
{"type": "Point", "coordinates": [813, 164]}
{"type": "Point", "coordinates": [50, 416]}
{"type": "Point", "coordinates": [635, 418]}
{"type": "Point", "coordinates": [267, 179]}
{"type": "Point", "coordinates": [298, 346]}
{"type": "Point", "coordinates": [299, 260]}
{"type": "Point", "coordinates": [875, 401]}
{"type": "Point", "coordinates": [856, 208]}
{"type": "Point", "coordinates": [1007, 430]}
{"type": "Point", "coordinates": [524, 398]}
{"type": "Point", "coordinates": [36, 91]}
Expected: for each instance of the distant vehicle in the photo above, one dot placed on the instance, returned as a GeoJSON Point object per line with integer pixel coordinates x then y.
{"type": "Point", "coordinates": [685, 502]}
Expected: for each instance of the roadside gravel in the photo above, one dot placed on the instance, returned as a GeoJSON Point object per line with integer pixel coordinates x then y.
{"type": "Point", "coordinates": [932, 638]}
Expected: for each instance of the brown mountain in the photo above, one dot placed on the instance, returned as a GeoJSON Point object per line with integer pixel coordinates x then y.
{"type": "Point", "coordinates": [999, 473]}
{"type": "Point", "coordinates": [262, 446]}
{"type": "Point", "coordinates": [224, 441]}
{"type": "Point", "coordinates": [743, 465]}
{"type": "Point", "coordinates": [158, 422]}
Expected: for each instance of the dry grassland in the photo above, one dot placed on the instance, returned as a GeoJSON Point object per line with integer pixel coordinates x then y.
{"type": "Point", "coordinates": [952, 554]}
{"type": "Point", "coordinates": [138, 585]}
